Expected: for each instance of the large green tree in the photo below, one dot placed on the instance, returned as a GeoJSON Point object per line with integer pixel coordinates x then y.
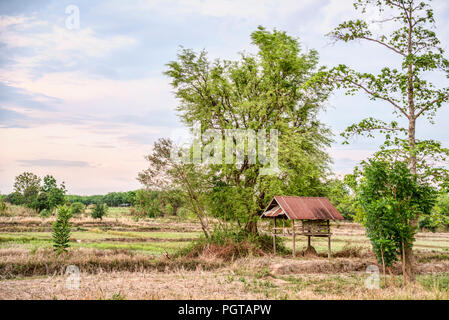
{"type": "Point", "coordinates": [26, 187]}
{"type": "Point", "coordinates": [261, 91]}
{"type": "Point", "coordinates": [405, 88]}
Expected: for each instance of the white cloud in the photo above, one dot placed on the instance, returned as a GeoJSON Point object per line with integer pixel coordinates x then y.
{"type": "Point", "coordinates": [61, 40]}
{"type": "Point", "coordinates": [247, 9]}
{"type": "Point", "coordinates": [20, 22]}
{"type": "Point", "coordinates": [78, 89]}
{"type": "Point", "coordinates": [54, 44]}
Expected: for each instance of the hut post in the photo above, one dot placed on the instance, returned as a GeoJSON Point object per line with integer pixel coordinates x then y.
{"type": "Point", "coordinates": [329, 252]}
{"type": "Point", "coordinates": [294, 238]}
{"type": "Point", "coordinates": [308, 242]}
{"type": "Point", "coordinates": [274, 236]}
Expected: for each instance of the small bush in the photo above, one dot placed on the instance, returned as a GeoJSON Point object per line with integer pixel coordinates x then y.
{"type": "Point", "coordinates": [232, 244]}
{"type": "Point", "coordinates": [3, 208]}
{"type": "Point", "coordinates": [61, 230]}
{"type": "Point", "coordinates": [351, 251]}
{"type": "Point", "coordinates": [77, 208]}
{"type": "Point", "coordinates": [99, 211]}
{"type": "Point", "coordinates": [45, 213]}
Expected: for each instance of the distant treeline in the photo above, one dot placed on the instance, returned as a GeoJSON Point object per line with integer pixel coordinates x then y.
{"type": "Point", "coordinates": [112, 199]}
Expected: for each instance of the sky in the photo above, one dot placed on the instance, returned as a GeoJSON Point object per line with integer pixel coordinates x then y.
{"type": "Point", "coordinates": [85, 102]}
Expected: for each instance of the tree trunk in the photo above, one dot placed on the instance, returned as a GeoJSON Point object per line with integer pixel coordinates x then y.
{"type": "Point", "coordinates": [196, 205]}
{"type": "Point", "coordinates": [251, 226]}
{"type": "Point", "coordinates": [392, 278]}
{"type": "Point", "coordinates": [408, 249]}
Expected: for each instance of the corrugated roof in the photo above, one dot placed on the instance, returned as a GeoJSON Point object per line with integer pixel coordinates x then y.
{"type": "Point", "coordinates": [274, 212]}
{"type": "Point", "coordinates": [304, 208]}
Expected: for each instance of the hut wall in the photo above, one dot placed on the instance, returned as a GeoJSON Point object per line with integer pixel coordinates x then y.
{"type": "Point", "coordinates": [315, 226]}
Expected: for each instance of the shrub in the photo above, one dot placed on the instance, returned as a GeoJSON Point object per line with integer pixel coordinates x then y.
{"type": "Point", "coordinates": [232, 244]}
{"type": "Point", "coordinates": [391, 196]}
{"type": "Point", "coordinates": [3, 207]}
{"type": "Point", "coordinates": [77, 208]}
{"type": "Point", "coordinates": [99, 211]}
{"type": "Point", "coordinates": [61, 230]}
{"type": "Point", "coordinates": [45, 213]}
{"type": "Point", "coordinates": [40, 203]}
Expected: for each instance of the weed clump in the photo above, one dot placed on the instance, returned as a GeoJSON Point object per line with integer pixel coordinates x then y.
{"type": "Point", "coordinates": [230, 245]}
{"type": "Point", "coordinates": [351, 251]}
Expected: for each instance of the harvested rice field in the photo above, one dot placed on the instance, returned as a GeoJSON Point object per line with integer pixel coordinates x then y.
{"type": "Point", "coordinates": [121, 258]}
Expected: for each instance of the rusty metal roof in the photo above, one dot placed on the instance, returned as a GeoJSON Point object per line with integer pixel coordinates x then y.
{"type": "Point", "coordinates": [274, 212]}
{"type": "Point", "coordinates": [302, 208]}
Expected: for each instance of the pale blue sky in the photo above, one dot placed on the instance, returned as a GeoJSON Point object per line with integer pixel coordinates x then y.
{"type": "Point", "coordinates": [85, 105]}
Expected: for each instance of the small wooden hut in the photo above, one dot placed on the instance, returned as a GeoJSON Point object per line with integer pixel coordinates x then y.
{"type": "Point", "coordinates": [313, 213]}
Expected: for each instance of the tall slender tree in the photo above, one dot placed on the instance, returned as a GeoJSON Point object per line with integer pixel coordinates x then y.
{"type": "Point", "coordinates": [406, 88]}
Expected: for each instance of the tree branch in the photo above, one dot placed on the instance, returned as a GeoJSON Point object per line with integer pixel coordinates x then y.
{"type": "Point", "coordinates": [385, 45]}
{"type": "Point", "coordinates": [380, 97]}
{"type": "Point", "coordinates": [430, 104]}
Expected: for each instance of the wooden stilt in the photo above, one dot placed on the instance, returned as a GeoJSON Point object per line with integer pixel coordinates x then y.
{"type": "Point", "coordinates": [274, 236]}
{"type": "Point", "coordinates": [308, 241]}
{"type": "Point", "coordinates": [294, 238]}
{"type": "Point", "coordinates": [329, 252]}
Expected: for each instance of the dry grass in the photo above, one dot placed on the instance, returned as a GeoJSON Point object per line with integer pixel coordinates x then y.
{"type": "Point", "coordinates": [19, 262]}
{"type": "Point", "coordinates": [17, 211]}
{"type": "Point", "coordinates": [224, 252]}
{"type": "Point", "coordinates": [37, 224]}
{"type": "Point", "coordinates": [215, 272]}
{"type": "Point", "coordinates": [220, 284]}
{"type": "Point", "coordinates": [44, 262]}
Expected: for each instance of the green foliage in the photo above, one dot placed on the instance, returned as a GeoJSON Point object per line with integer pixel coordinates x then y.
{"type": "Point", "coordinates": [233, 243]}
{"type": "Point", "coordinates": [263, 91]}
{"type": "Point", "coordinates": [229, 203]}
{"type": "Point", "coordinates": [342, 197]}
{"type": "Point", "coordinates": [405, 88]}
{"type": "Point", "coordinates": [77, 208]}
{"type": "Point", "coordinates": [112, 199]}
{"type": "Point", "coordinates": [45, 213]}
{"type": "Point", "coordinates": [439, 218]}
{"type": "Point", "coordinates": [26, 188]}
{"type": "Point", "coordinates": [441, 210]}
{"type": "Point", "coordinates": [158, 203]}
{"type": "Point", "coordinates": [146, 203]}
{"type": "Point", "coordinates": [61, 230]}
{"type": "Point", "coordinates": [167, 175]}
{"type": "Point", "coordinates": [3, 207]}
{"type": "Point", "coordinates": [28, 191]}
{"type": "Point", "coordinates": [15, 198]}
{"type": "Point", "coordinates": [41, 202]}
{"type": "Point", "coordinates": [99, 210]}
{"type": "Point", "coordinates": [409, 36]}
{"type": "Point", "coordinates": [391, 197]}
{"type": "Point", "coordinates": [56, 196]}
